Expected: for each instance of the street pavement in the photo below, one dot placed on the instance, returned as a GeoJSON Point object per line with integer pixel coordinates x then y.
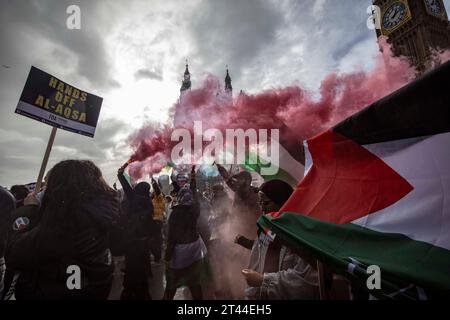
{"type": "Point", "coordinates": [156, 283]}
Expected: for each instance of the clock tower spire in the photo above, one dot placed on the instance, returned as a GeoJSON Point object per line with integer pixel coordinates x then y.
{"type": "Point", "coordinates": [228, 87]}
{"type": "Point", "coordinates": [186, 84]}
{"type": "Point", "coordinates": [415, 27]}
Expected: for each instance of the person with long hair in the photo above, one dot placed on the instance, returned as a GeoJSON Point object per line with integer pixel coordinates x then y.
{"type": "Point", "coordinates": [60, 247]}
{"type": "Point", "coordinates": [139, 226]}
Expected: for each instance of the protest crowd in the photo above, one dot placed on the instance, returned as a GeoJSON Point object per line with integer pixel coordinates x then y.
{"type": "Point", "coordinates": [76, 237]}
{"type": "Point", "coordinates": [209, 242]}
{"type": "Point", "coordinates": [356, 207]}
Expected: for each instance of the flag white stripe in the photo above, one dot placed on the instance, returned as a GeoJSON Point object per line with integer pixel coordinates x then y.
{"type": "Point", "coordinates": [424, 213]}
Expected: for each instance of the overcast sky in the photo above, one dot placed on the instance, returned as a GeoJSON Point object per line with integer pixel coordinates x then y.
{"type": "Point", "coordinates": [132, 53]}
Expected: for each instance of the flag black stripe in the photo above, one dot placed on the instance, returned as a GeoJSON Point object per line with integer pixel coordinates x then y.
{"type": "Point", "coordinates": [292, 145]}
{"type": "Point", "coordinates": [421, 108]}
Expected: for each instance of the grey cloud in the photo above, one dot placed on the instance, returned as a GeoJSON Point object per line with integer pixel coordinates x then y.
{"type": "Point", "coordinates": [148, 74]}
{"type": "Point", "coordinates": [266, 43]}
{"type": "Point", "coordinates": [19, 158]}
{"type": "Point", "coordinates": [27, 26]}
{"type": "Point", "coordinates": [322, 42]}
{"type": "Point", "coordinates": [233, 32]}
{"type": "Point", "coordinates": [21, 153]}
{"type": "Point", "coordinates": [255, 39]}
{"type": "Point", "coordinates": [35, 33]}
{"type": "Point", "coordinates": [105, 139]}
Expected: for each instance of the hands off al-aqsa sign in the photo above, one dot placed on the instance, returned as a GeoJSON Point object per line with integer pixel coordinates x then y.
{"type": "Point", "coordinates": [47, 99]}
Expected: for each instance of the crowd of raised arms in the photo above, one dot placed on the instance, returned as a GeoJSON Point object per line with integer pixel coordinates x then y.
{"type": "Point", "coordinates": [208, 242]}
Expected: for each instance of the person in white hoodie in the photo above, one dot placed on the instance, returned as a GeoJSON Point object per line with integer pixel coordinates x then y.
{"type": "Point", "coordinates": [275, 271]}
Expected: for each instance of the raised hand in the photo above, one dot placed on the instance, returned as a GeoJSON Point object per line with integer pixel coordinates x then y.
{"type": "Point", "coordinates": [253, 278]}
{"type": "Point", "coordinates": [31, 200]}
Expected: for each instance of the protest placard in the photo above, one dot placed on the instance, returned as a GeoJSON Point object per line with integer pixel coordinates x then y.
{"type": "Point", "coordinates": [47, 99]}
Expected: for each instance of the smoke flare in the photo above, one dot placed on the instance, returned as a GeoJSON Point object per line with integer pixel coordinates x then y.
{"type": "Point", "coordinates": [340, 95]}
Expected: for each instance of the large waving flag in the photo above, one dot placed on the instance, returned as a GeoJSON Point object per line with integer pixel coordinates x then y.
{"type": "Point", "coordinates": [291, 160]}
{"type": "Point", "coordinates": [377, 192]}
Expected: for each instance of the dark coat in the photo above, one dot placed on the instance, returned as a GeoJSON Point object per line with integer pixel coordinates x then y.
{"type": "Point", "coordinates": [137, 213]}
{"type": "Point", "coordinates": [182, 227]}
{"type": "Point", "coordinates": [7, 206]}
{"type": "Point", "coordinates": [42, 255]}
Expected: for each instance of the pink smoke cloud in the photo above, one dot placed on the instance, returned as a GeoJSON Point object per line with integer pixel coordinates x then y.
{"type": "Point", "coordinates": [340, 96]}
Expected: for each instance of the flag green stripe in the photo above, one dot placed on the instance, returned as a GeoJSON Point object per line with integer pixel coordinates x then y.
{"type": "Point", "coordinates": [403, 261]}
{"type": "Point", "coordinates": [281, 174]}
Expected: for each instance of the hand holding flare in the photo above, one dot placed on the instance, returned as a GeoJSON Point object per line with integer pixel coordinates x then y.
{"type": "Point", "coordinates": [253, 278]}
{"type": "Point", "coordinates": [122, 168]}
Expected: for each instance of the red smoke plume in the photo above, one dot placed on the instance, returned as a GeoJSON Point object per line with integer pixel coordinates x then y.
{"type": "Point", "coordinates": [340, 96]}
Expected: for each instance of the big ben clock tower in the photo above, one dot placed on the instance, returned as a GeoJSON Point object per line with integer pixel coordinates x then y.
{"type": "Point", "coordinates": [413, 27]}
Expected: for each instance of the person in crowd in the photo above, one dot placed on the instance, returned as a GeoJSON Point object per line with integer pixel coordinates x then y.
{"type": "Point", "coordinates": [159, 217]}
{"type": "Point", "coordinates": [68, 231]}
{"type": "Point", "coordinates": [245, 211]}
{"type": "Point", "coordinates": [243, 217]}
{"type": "Point", "coordinates": [164, 183]}
{"type": "Point", "coordinates": [203, 226]}
{"type": "Point", "coordinates": [220, 222]}
{"type": "Point", "coordinates": [138, 220]}
{"type": "Point", "coordinates": [275, 271]}
{"type": "Point", "coordinates": [19, 192]}
{"type": "Point", "coordinates": [204, 229]}
{"type": "Point", "coordinates": [7, 206]}
{"type": "Point", "coordinates": [174, 185]}
{"type": "Point", "coordinates": [168, 207]}
{"type": "Point", "coordinates": [220, 203]}
{"type": "Point", "coordinates": [204, 209]}
{"type": "Point", "coordinates": [186, 252]}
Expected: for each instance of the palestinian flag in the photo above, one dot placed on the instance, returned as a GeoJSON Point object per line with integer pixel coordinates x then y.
{"type": "Point", "coordinates": [377, 192]}
{"type": "Point", "coordinates": [291, 159]}
{"type": "Point", "coordinates": [167, 170]}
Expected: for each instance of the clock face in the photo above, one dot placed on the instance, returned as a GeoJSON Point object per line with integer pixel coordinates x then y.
{"type": "Point", "coordinates": [434, 7]}
{"type": "Point", "coordinates": [394, 15]}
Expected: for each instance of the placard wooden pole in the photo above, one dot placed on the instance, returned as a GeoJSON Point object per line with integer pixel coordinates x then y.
{"type": "Point", "coordinates": [45, 160]}
{"type": "Point", "coordinates": [322, 287]}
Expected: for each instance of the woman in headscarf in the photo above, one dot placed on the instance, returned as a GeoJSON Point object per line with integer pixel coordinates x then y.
{"type": "Point", "coordinates": [275, 271]}
{"type": "Point", "coordinates": [186, 252]}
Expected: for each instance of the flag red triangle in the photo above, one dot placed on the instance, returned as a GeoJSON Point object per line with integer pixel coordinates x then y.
{"type": "Point", "coordinates": [346, 182]}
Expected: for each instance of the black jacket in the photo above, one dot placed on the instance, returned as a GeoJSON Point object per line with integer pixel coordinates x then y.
{"type": "Point", "coordinates": [7, 206]}
{"type": "Point", "coordinates": [42, 255]}
{"type": "Point", "coordinates": [182, 227]}
{"type": "Point", "coordinates": [137, 215]}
